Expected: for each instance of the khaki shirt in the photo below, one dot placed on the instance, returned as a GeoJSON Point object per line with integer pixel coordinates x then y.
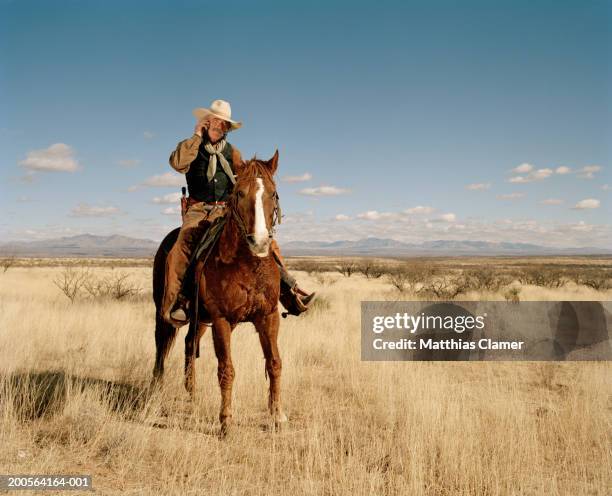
{"type": "Point", "coordinates": [187, 150]}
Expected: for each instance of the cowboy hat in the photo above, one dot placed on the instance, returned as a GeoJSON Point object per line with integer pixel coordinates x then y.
{"type": "Point", "coordinates": [220, 109]}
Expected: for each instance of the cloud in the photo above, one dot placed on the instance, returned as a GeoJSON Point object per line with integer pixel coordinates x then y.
{"type": "Point", "coordinates": [551, 201]}
{"type": "Point", "coordinates": [523, 169]}
{"type": "Point", "coordinates": [563, 170]}
{"type": "Point", "coordinates": [148, 135]}
{"type": "Point", "coordinates": [169, 198]}
{"type": "Point", "coordinates": [419, 209]}
{"type": "Point", "coordinates": [57, 158]}
{"type": "Point", "coordinates": [324, 191]}
{"type": "Point", "coordinates": [510, 196]}
{"type": "Point", "coordinates": [86, 210]}
{"type": "Point", "coordinates": [375, 215]}
{"type": "Point", "coordinates": [172, 210]}
{"type": "Point", "coordinates": [606, 187]}
{"type": "Point", "coordinates": [589, 203]}
{"type": "Point", "coordinates": [588, 172]}
{"type": "Point", "coordinates": [448, 217]}
{"type": "Point", "coordinates": [537, 175]}
{"type": "Point", "coordinates": [167, 179]}
{"type": "Point", "coordinates": [307, 176]}
{"type": "Point", "coordinates": [341, 217]}
{"type": "Point", "coordinates": [478, 186]}
{"type": "Point", "coordinates": [128, 163]}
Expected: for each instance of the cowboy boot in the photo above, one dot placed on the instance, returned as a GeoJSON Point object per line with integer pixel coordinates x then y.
{"type": "Point", "coordinates": [294, 299]}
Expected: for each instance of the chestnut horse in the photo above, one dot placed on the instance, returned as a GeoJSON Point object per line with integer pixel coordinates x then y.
{"type": "Point", "coordinates": [237, 282]}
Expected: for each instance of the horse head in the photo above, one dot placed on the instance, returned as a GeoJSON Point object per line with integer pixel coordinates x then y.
{"type": "Point", "coordinates": [253, 204]}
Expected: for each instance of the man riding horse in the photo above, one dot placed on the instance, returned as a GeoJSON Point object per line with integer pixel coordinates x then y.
{"type": "Point", "coordinates": [208, 160]}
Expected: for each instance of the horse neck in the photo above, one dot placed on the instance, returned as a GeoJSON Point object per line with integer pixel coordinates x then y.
{"type": "Point", "coordinates": [231, 240]}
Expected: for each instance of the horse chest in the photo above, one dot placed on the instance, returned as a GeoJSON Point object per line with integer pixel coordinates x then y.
{"type": "Point", "coordinates": [239, 293]}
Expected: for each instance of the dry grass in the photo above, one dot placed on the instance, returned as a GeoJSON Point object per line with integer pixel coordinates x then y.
{"type": "Point", "coordinates": [74, 399]}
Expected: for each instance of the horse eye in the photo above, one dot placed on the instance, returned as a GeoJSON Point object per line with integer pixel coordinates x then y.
{"type": "Point", "coordinates": [241, 193]}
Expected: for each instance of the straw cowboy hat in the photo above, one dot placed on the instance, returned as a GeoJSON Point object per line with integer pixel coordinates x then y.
{"type": "Point", "coordinates": [220, 109]}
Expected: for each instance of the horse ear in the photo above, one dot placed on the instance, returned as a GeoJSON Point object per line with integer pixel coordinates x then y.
{"type": "Point", "coordinates": [273, 163]}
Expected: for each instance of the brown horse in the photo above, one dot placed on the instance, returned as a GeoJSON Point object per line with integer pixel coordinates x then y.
{"type": "Point", "coordinates": [238, 282]}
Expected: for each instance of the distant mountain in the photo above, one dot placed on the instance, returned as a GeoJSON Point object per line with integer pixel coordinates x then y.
{"type": "Point", "coordinates": [85, 245]}
{"type": "Point", "coordinates": [89, 245]}
{"type": "Point", "coordinates": [390, 247]}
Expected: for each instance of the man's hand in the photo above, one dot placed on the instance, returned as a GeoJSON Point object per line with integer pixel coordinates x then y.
{"type": "Point", "coordinates": [201, 126]}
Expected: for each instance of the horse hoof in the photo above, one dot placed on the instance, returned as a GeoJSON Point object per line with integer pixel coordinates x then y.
{"type": "Point", "coordinates": [225, 429]}
{"type": "Point", "coordinates": [279, 419]}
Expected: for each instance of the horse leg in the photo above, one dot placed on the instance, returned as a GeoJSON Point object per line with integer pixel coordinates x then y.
{"type": "Point", "coordinates": [190, 354]}
{"type": "Point", "coordinates": [222, 333]}
{"type": "Point", "coordinates": [164, 339]}
{"type": "Point", "coordinates": [267, 329]}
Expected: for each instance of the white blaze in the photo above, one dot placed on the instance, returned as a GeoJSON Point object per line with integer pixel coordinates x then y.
{"type": "Point", "coordinates": [261, 232]}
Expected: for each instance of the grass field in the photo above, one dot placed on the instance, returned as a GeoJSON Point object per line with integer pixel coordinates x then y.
{"type": "Point", "coordinates": [74, 398]}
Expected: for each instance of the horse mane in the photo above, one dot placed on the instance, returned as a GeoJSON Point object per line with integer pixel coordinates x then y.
{"type": "Point", "coordinates": [254, 167]}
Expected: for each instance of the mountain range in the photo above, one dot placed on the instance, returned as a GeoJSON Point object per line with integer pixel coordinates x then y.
{"type": "Point", "coordinates": [89, 245]}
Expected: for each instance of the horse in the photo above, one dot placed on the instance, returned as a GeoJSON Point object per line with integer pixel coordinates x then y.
{"type": "Point", "coordinates": [237, 282]}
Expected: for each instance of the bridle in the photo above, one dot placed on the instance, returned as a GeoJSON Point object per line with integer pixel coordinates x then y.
{"type": "Point", "coordinates": [276, 216]}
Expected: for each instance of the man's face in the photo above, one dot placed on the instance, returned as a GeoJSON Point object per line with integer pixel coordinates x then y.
{"type": "Point", "coordinates": [216, 129]}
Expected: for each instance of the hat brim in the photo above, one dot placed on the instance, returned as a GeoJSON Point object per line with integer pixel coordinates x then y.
{"type": "Point", "coordinates": [201, 113]}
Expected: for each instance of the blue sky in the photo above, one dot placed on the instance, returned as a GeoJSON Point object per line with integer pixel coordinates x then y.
{"type": "Point", "coordinates": [402, 119]}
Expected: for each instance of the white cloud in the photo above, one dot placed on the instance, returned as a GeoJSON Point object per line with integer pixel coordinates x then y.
{"type": "Point", "coordinates": [172, 210]}
{"type": "Point", "coordinates": [551, 201]}
{"type": "Point", "coordinates": [167, 179]}
{"type": "Point", "coordinates": [588, 171]}
{"type": "Point", "coordinates": [341, 217]}
{"type": "Point", "coordinates": [323, 191]}
{"type": "Point", "coordinates": [563, 170]}
{"type": "Point", "coordinates": [419, 209]}
{"type": "Point", "coordinates": [86, 210]}
{"type": "Point", "coordinates": [537, 175]}
{"type": "Point", "coordinates": [606, 187]}
{"type": "Point", "coordinates": [148, 135]}
{"type": "Point", "coordinates": [510, 196]}
{"type": "Point", "coordinates": [589, 203]}
{"type": "Point", "coordinates": [523, 168]}
{"type": "Point", "coordinates": [375, 215]}
{"type": "Point", "coordinates": [169, 198]}
{"type": "Point", "coordinates": [128, 162]}
{"type": "Point", "coordinates": [478, 186]}
{"type": "Point", "coordinates": [57, 158]}
{"type": "Point", "coordinates": [448, 217]}
{"type": "Point", "coordinates": [297, 179]}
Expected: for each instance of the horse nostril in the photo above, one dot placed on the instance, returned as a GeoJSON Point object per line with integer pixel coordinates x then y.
{"type": "Point", "coordinates": [251, 239]}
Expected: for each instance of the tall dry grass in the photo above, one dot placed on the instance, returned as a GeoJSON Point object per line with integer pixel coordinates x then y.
{"type": "Point", "coordinates": [74, 398]}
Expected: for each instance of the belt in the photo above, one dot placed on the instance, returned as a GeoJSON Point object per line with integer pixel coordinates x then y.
{"type": "Point", "coordinates": [191, 201]}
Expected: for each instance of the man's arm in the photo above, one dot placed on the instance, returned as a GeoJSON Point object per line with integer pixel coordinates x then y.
{"type": "Point", "coordinates": [185, 153]}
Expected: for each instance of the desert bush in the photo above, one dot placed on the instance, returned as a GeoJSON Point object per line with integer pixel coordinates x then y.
{"type": "Point", "coordinates": [513, 294]}
{"type": "Point", "coordinates": [75, 283]}
{"type": "Point", "coordinates": [71, 281]}
{"type": "Point", "coordinates": [409, 277]}
{"type": "Point", "coordinates": [445, 287]}
{"type": "Point", "coordinates": [347, 268]}
{"type": "Point", "coordinates": [7, 262]}
{"type": "Point", "coordinates": [371, 270]}
{"type": "Point", "coordinates": [305, 266]}
{"type": "Point", "coordinates": [399, 278]}
{"type": "Point", "coordinates": [116, 287]}
{"type": "Point", "coordinates": [322, 278]}
{"type": "Point", "coordinates": [596, 279]}
{"type": "Point", "coordinates": [485, 279]}
{"type": "Point", "coordinates": [542, 276]}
